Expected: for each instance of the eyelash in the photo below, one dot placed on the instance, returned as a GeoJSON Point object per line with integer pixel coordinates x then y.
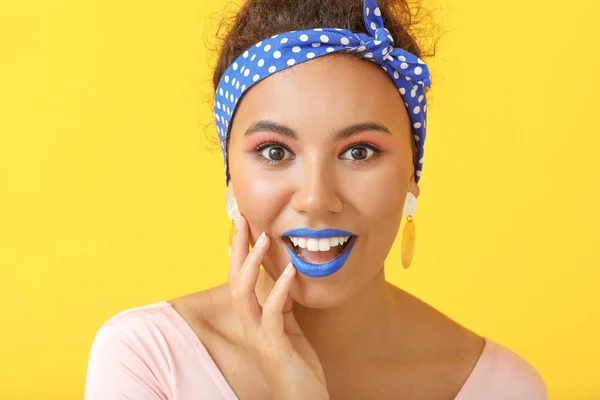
{"type": "Point", "coordinates": [376, 151]}
{"type": "Point", "coordinates": [258, 151]}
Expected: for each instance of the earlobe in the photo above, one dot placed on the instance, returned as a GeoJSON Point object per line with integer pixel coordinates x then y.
{"type": "Point", "coordinates": [413, 187]}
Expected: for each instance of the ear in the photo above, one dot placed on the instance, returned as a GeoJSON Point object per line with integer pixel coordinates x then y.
{"type": "Point", "coordinates": [413, 186]}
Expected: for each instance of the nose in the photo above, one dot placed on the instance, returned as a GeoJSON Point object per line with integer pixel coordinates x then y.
{"type": "Point", "coordinates": [317, 191]}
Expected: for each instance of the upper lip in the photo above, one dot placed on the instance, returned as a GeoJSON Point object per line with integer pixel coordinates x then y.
{"type": "Point", "coordinates": [320, 234]}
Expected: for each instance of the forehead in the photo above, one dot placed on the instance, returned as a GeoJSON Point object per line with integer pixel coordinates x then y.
{"type": "Point", "coordinates": [328, 93]}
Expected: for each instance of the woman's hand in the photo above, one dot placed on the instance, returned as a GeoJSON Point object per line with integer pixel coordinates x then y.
{"type": "Point", "coordinates": [284, 355]}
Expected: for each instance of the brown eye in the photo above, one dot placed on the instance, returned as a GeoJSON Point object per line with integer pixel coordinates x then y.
{"type": "Point", "coordinates": [274, 154]}
{"type": "Point", "coordinates": [358, 153]}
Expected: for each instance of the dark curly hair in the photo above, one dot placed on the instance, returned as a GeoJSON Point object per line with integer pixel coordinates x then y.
{"type": "Point", "coordinates": [256, 20]}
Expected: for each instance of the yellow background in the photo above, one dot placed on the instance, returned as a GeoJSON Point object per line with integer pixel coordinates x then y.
{"type": "Point", "coordinates": [109, 198]}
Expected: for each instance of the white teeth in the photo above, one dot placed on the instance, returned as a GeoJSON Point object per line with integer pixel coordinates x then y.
{"type": "Point", "coordinates": [324, 244]}
{"type": "Point", "coordinates": [312, 244]}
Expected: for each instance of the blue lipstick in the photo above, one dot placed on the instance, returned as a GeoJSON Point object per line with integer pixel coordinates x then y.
{"type": "Point", "coordinates": [324, 269]}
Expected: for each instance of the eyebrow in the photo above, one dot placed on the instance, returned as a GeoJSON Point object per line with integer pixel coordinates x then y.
{"type": "Point", "coordinates": [343, 133]}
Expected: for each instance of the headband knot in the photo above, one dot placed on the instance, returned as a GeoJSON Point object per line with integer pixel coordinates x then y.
{"type": "Point", "coordinates": [383, 35]}
{"type": "Point", "coordinates": [378, 47]}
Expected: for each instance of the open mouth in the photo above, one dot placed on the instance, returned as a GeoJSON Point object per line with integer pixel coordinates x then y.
{"type": "Point", "coordinates": [318, 251]}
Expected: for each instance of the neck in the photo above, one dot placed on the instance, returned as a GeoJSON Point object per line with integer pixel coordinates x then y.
{"type": "Point", "coordinates": [353, 329]}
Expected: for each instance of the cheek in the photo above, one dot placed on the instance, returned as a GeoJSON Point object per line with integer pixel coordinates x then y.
{"type": "Point", "coordinates": [381, 211]}
{"type": "Point", "coordinates": [379, 198]}
{"type": "Point", "coordinates": [379, 189]}
{"type": "Point", "coordinates": [261, 199]}
{"type": "Point", "coordinates": [382, 207]}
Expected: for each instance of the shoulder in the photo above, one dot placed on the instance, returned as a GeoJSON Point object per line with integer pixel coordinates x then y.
{"type": "Point", "coordinates": [142, 326]}
{"type": "Point", "coordinates": [136, 335]}
{"type": "Point", "coordinates": [132, 319]}
{"type": "Point", "coordinates": [502, 370]}
{"type": "Point", "coordinates": [124, 347]}
{"type": "Point", "coordinates": [501, 373]}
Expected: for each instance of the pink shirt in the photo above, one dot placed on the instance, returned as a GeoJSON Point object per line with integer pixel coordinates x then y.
{"type": "Point", "coordinates": [150, 352]}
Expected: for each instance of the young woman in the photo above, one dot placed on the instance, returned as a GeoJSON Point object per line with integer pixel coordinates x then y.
{"type": "Point", "coordinates": [321, 111]}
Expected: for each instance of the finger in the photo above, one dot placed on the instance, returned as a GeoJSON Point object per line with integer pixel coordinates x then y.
{"type": "Point", "coordinates": [272, 314]}
{"type": "Point", "coordinates": [245, 302]}
{"type": "Point", "coordinates": [239, 249]}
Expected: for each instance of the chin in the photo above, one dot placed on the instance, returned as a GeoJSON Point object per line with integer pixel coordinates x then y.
{"type": "Point", "coordinates": [311, 294]}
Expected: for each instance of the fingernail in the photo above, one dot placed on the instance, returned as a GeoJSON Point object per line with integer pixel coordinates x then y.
{"type": "Point", "coordinates": [288, 269]}
{"type": "Point", "coordinates": [236, 222]}
{"type": "Point", "coordinates": [260, 241]}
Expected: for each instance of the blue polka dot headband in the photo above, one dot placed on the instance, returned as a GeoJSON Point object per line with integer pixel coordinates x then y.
{"type": "Point", "coordinates": [408, 72]}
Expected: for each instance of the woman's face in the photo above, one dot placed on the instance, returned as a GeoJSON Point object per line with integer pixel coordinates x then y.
{"type": "Point", "coordinates": [325, 144]}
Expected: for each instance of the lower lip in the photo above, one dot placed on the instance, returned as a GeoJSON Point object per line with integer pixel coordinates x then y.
{"type": "Point", "coordinates": [320, 270]}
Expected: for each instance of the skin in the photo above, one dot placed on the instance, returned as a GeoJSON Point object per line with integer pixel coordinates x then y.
{"type": "Point", "coordinates": [353, 329]}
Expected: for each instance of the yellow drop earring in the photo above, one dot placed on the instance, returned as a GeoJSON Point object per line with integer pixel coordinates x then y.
{"type": "Point", "coordinates": [407, 249]}
{"type": "Point", "coordinates": [233, 213]}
